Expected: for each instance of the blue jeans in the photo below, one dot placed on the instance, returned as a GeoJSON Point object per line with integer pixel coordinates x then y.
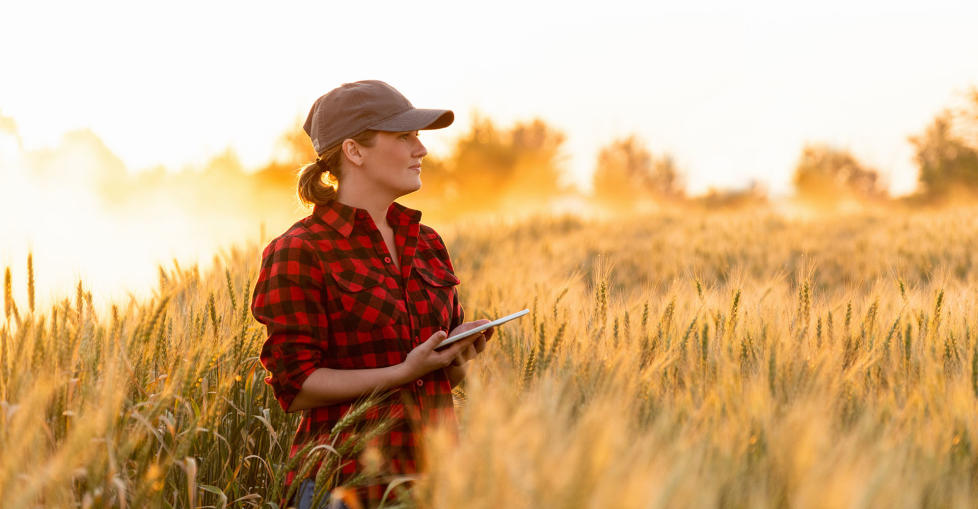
{"type": "Point", "coordinates": [305, 494]}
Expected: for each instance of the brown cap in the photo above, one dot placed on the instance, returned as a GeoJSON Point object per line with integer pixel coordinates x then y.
{"type": "Point", "coordinates": [352, 108]}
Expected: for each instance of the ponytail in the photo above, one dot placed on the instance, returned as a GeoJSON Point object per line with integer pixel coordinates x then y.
{"type": "Point", "coordinates": [311, 188]}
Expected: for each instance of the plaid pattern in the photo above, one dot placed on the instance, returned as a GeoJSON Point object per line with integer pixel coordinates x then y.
{"type": "Point", "coordinates": [330, 296]}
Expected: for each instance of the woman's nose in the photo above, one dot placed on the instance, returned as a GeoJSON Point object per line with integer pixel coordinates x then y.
{"type": "Point", "coordinates": [420, 150]}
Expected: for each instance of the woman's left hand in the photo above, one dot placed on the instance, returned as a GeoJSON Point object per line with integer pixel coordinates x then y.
{"type": "Point", "coordinates": [468, 353]}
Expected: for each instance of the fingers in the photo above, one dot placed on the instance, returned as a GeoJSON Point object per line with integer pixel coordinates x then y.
{"type": "Point", "coordinates": [465, 355]}
{"type": "Point", "coordinates": [467, 326]}
{"type": "Point", "coordinates": [458, 361]}
{"type": "Point", "coordinates": [461, 351]}
{"type": "Point", "coordinates": [477, 323]}
{"type": "Point", "coordinates": [436, 339]}
{"type": "Point", "coordinates": [450, 353]}
{"type": "Point", "coordinates": [470, 352]}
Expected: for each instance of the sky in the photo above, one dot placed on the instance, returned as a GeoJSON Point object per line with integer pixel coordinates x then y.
{"type": "Point", "coordinates": [733, 92]}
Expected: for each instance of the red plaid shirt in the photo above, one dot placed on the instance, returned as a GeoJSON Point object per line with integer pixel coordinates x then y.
{"type": "Point", "coordinates": [331, 297]}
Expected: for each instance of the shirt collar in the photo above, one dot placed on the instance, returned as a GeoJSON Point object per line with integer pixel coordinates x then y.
{"type": "Point", "coordinates": [342, 217]}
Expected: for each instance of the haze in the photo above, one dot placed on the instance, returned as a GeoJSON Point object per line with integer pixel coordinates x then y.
{"type": "Point", "coordinates": [732, 92]}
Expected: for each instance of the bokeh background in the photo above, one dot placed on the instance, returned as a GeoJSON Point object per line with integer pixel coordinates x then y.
{"type": "Point", "coordinates": [746, 234]}
{"type": "Point", "coordinates": [133, 135]}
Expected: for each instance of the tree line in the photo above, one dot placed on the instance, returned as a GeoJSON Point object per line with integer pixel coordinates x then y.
{"type": "Point", "coordinates": [489, 168]}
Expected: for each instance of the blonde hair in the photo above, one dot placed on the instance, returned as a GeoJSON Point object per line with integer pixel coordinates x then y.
{"type": "Point", "coordinates": [311, 188]}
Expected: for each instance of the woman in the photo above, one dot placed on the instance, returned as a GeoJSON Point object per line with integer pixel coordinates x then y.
{"type": "Point", "coordinates": [357, 295]}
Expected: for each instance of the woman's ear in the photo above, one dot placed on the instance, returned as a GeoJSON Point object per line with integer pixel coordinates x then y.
{"type": "Point", "coordinates": [351, 150]}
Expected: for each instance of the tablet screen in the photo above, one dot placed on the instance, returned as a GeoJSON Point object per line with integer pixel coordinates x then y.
{"type": "Point", "coordinates": [481, 328]}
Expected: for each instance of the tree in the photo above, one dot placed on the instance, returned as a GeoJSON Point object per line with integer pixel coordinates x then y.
{"type": "Point", "coordinates": [486, 169]}
{"type": "Point", "coordinates": [753, 195]}
{"type": "Point", "coordinates": [947, 165]}
{"type": "Point", "coordinates": [481, 162]}
{"type": "Point", "coordinates": [828, 175]}
{"type": "Point", "coordinates": [538, 159]}
{"type": "Point", "coordinates": [489, 169]}
{"type": "Point", "coordinates": [964, 120]}
{"type": "Point", "coordinates": [626, 172]}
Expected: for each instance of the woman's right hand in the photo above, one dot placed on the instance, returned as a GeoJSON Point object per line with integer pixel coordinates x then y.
{"type": "Point", "coordinates": [424, 359]}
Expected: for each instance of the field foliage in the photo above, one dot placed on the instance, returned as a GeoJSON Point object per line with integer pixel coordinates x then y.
{"type": "Point", "coordinates": [682, 359]}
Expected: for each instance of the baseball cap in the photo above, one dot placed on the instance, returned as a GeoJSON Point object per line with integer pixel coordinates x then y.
{"type": "Point", "coordinates": [352, 108]}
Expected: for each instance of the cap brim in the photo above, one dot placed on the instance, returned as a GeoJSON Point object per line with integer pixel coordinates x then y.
{"type": "Point", "coordinates": [416, 119]}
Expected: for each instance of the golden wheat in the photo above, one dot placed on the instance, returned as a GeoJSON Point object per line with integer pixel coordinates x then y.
{"type": "Point", "coordinates": [738, 387]}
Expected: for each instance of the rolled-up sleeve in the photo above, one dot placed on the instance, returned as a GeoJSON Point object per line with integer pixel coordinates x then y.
{"type": "Point", "coordinates": [288, 299]}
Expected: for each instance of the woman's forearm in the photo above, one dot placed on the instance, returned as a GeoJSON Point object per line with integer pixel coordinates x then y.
{"type": "Point", "coordinates": [327, 386]}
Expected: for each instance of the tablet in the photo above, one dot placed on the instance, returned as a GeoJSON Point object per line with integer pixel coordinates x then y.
{"type": "Point", "coordinates": [481, 328]}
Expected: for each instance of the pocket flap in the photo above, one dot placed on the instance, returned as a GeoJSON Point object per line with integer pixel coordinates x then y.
{"type": "Point", "coordinates": [356, 277]}
{"type": "Point", "coordinates": [436, 276]}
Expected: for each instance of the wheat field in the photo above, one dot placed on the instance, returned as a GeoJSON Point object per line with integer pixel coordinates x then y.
{"type": "Point", "coordinates": [679, 359]}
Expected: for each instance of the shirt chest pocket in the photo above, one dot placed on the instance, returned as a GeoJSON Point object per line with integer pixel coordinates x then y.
{"type": "Point", "coordinates": [438, 291]}
{"type": "Point", "coordinates": [360, 298]}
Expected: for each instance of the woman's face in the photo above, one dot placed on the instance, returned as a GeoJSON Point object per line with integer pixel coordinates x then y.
{"type": "Point", "coordinates": [394, 162]}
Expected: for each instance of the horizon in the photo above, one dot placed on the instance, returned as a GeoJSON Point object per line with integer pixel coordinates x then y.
{"type": "Point", "coordinates": [732, 93]}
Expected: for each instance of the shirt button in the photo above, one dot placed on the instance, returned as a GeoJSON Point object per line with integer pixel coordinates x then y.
{"type": "Point", "coordinates": [420, 382]}
{"type": "Point", "coordinates": [387, 259]}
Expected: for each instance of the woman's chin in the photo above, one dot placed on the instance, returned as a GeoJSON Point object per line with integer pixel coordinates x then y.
{"type": "Point", "coordinates": [408, 189]}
